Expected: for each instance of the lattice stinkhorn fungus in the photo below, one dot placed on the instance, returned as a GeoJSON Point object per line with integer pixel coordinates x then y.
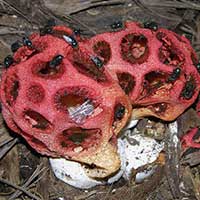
{"type": "Point", "coordinates": [191, 139]}
{"type": "Point", "coordinates": [64, 107]}
{"type": "Point", "coordinates": [69, 97]}
{"type": "Point", "coordinates": [156, 68]}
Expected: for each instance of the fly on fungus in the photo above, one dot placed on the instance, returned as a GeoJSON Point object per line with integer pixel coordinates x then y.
{"type": "Point", "coordinates": [27, 42]}
{"type": "Point", "coordinates": [56, 61]}
{"type": "Point", "coordinates": [117, 25]}
{"type": "Point", "coordinates": [175, 75]}
{"type": "Point", "coordinates": [97, 61]}
{"type": "Point", "coordinates": [8, 61]}
{"type": "Point", "coordinates": [48, 28]}
{"type": "Point", "coordinates": [15, 46]}
{"type": "Point", "coordinates": [70, 40]}
{"type": "Point", "coordinates": [151, 25]}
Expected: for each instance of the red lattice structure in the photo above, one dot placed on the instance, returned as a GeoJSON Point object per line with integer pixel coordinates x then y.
{"type": "Point", "coordinates": [70, 97]}
{"type": "Point", "coordinates": [156, 68]}
{"type": "Point", "coordinates": [60, 110]}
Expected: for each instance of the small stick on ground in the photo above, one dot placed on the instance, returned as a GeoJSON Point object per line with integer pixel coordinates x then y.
{"type": "Point", "coordinates": [16, 10]}
{"type": "Point", "coordinates": [29, 182]}
{"type": "Point", "coordinates": [153, 12]}
{"type": "Point", "coordinates": [7, 147]}
{"type": "Point", "coordinates": [19, 188]}
{"type": "Point", "coordinates": [93, 4]}
{"type": "Point", "coordinates": [76, 21]}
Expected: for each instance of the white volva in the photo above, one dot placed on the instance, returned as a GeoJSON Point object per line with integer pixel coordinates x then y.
{"type": "Point", "coordinates": [135, 151]}
{"type": "Point", "coordinates": [139, 151]}
{"type": "Point", "coordinates": [73, 173]}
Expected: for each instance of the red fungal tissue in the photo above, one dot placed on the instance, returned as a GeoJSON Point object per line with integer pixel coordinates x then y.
{"type": "Point", "coordinates": [69, 96]}
{"type": "Point", "coordinates": [191, 139]}
{"type": "Point", "coordinates": [156, 69]}
{"type": "Point", "coordinates": [62, 106]}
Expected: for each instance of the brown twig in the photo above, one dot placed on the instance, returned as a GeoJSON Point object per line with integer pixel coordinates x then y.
{"type": "Point", "coordinates": [108, 192]}
{"type": "Point", "coordinates": [174, 4]}
{"type": "Point", "coordinates": [76, 21]}
{"type": "Point", "coordinates": [193, 159]}
{"type": "Point", "coordinates": [153, 12]}
{"type": "Point", "coordinates": [93, 4]}
{"type": "Point", "coordinates": [172, 166]}
{"type": "Point", "coordinates": [29, 182]}
{"type": "Point", "coordinates": [85, 196]}
{"type": "Point", "coordinates": [19, 188]}
{"type": "Point", "coordinates": [195, 6]}
{"type": "Point", "coordinates": [7, 147]}
{"type": "Point", "coordinates": [6, 142]}
{"type": "Point", "coordinates": [188, 29]}
{"type": "Point", "coordinates": [6, 30]}
{"type": "Point", "coordinates": [15, 10]}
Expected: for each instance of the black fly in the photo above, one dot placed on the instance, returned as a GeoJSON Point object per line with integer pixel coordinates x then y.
{"type": "Point", "coordinates": [56, 61]}
{"type": "Point", "coordinates": [175, 74]}
{"type": "Point", "coordinates": [97, 61]}
{"type": "Point", "coordinates": [48, 28]}
{"type": "Point", "coordinates": [151, 25]}
{"type": "Point", "coordinates": [117, 25]}
{"type": "Point", "coordinates": [15, 46]}
{"type": "Point", "coordinates": [77, 31]}
{"type": "Point", "coordinates": [198, 67]}
{"type": "Point", "coordinates": [188, 90]}
{"type": "Point", "coordinates": [70, 40]}
{"type": "Point", "coordinates": [8, 61]}
{"type": "Point", "coordinates": [119, 111]}
{"type": "Point", "coordinates": [27, 42]}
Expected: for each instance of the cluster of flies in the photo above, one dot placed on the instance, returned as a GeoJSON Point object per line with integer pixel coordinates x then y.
{"type": "Point", "coordinates": [70, 39]}
{"type": "Point", "coordinates": [48, 29]}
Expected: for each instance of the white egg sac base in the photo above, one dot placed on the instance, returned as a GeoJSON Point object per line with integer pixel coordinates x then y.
{"type": "Point", "coordinates": [135, 151]}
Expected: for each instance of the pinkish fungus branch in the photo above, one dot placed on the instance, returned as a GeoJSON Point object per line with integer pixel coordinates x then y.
{"type": "Point", "coordinates": [188, 140]}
